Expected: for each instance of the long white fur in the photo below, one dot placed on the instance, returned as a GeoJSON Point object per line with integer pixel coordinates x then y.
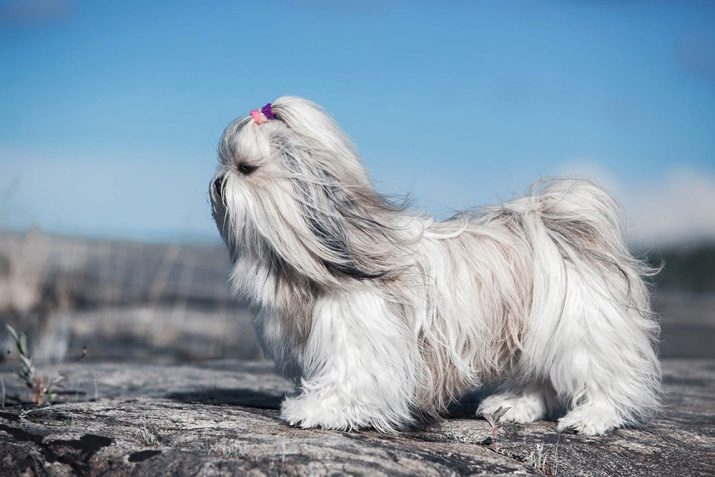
{"type": "Point", "coordinates": [383, 317]}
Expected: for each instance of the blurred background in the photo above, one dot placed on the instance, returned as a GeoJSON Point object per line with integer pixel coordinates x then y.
{"type": "Point", "coordinates": [110, 113]}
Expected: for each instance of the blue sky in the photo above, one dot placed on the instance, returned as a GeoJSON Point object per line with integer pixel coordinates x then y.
{"type": "Point", "coordinates": [110, 111]}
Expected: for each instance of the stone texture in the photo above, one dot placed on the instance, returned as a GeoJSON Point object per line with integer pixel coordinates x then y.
{"type": "Point", "coordinates": [221, 418]}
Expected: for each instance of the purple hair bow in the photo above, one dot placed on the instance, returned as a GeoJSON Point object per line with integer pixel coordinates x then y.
{"type": "Point", "coordinates": [266, 113]}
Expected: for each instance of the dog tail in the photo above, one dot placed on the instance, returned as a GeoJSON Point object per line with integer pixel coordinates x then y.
{"type": "Point", "coordinates": [583, 218]}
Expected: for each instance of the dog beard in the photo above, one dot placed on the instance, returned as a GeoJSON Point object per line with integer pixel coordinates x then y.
{"type": "Point", "coordinates": [383, 316]}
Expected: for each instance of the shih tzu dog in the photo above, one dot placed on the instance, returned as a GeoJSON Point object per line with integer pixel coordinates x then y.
{"type": "Point", "coordinates": [383, 316]}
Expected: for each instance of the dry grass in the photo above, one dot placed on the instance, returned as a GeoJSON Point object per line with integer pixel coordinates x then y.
{"type": "Point", "coordinates": [21, 274]}
{"type": "Point", "coordinates": [30, 299]}
{"type": "Point", "coordinates": [539, 460]}
{"type": "Point", "coordinates": [41, 387]}
{"type": "Point", "coordinates": [227, 449]}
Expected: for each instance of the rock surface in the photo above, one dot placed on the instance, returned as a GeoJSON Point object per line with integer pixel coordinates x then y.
{"type": "Point", "coordinates": [221, 418]}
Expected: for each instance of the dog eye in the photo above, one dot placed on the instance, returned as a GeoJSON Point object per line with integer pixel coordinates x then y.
{"type": "Point", "coordinates": [246, 169]}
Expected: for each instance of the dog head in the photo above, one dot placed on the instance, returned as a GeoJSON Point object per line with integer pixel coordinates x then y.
{"type": "Point", "coordinates": [290, 188]}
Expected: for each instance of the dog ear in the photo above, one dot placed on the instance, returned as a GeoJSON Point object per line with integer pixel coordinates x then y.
{"type": "Point", "coordinates": [346, 228]}
{"type": "Point", "coordinates": [345, 236]}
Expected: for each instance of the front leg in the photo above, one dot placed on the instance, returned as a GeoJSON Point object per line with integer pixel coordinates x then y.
{"type": "Point", "coordinates": [359, 367]}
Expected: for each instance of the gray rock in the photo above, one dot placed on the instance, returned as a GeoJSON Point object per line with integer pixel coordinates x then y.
{"type": "Point", "coordinates": [221, 418]}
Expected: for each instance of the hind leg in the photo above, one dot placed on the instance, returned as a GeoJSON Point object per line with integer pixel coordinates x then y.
{"type": "Point", "coordinates": [592, 408]}
{"type": "Point", "coordinates": [605, 391]}
{"type": "Point", "coordinates": [520, 404]}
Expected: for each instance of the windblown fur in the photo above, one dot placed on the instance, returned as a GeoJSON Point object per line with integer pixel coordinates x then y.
{"type": "Point", "coordinates": [383, 316]}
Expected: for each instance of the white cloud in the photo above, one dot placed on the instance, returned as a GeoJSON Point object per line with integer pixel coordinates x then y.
{"type": "Point", "coordinates": [677, 207]}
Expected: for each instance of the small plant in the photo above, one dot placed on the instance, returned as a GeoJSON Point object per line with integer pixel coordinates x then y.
{"type": "Point", "coordinates": [493, 420]}
{"type": "Point", "coordinates": [539, 460]}
{"type": "Point", "coordinates": [149, 437]}
{"type": "Point", "coordinates": [43, 389]}
{"type": "Point", "coordinates": [227, 449]}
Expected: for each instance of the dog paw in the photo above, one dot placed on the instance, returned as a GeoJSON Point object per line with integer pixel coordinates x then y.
{"type": "Point", "coordinates": [510, 407]}
{"type": "Point", "coordinates": [305, 412]}
{"type": "Point", "coordinates": [589, 420]}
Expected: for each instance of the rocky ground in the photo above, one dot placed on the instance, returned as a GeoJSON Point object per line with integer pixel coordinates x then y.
{"type": "Point", "coordinates": [205, 406]}
{"type": "Point", "coordinates": [221, 418]}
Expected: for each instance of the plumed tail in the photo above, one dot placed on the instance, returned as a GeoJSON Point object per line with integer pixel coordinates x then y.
{"type": "Point", "coordinates": [586, 222]}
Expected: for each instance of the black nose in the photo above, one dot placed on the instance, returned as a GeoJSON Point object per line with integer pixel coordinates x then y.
{"type": "Point", "coordinates": [218, 186]}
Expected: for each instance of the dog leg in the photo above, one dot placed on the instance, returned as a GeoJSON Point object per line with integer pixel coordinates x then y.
{"type": "Point", "coordinates": [358, 368]}
{"type": "Point", "coordinates": [604, 370]}
{"type": "Point", "coordinates": [595, 417]}
{"type": "Point", "coordinates": [518, 404]}
{"type": "Point", "coordinates": [604, 390]}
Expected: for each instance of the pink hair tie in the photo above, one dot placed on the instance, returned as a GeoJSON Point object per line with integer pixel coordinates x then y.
{"type": "Point", "coordinates": [258, 116]}
{"type": "Point", "coordinates": [264, 114]}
